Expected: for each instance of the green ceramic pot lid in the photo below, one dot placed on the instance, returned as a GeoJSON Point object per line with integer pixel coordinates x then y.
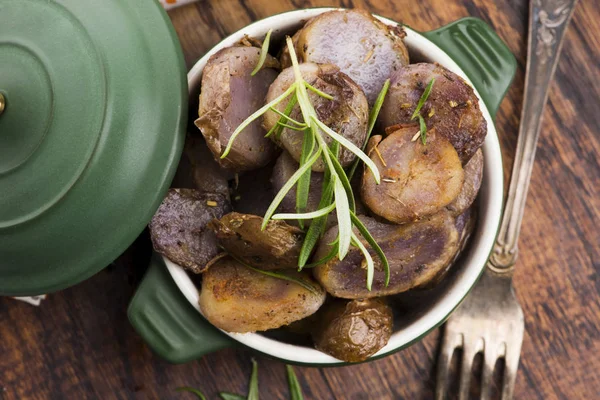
{"type": "Point", "coordinates": [91, 133]}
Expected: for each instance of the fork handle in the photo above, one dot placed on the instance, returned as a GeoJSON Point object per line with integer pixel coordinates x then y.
{"type": "Point", "coordinates": [547, 25]}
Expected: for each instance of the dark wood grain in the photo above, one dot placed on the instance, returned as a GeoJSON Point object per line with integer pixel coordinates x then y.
{"type": "Point", "coordinates": [79, 345]}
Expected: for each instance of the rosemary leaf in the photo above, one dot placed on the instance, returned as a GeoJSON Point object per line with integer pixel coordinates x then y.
{"type": "Point", "coordinates": [302, 190]}
{"type": "Point", "coordinates": [295, 128]}
{"type": "Point", "coordinates": [263, 53]}
{"type": "Point", "coordinates": [288, 186]}
{"type": "Point", "coordinates": [317, 226]}
{"type": "Point", "coordinates": [253, 386]}
{"type": "Point", "coordinates": [302, 216]}
{"type": "Point", "coordinates": [343, 215]}
{"type": "Point", "coordinates": [286, 116]}
{"type": "Point", "coordinates": [295, 390]}
{"type": "Point", "coordinates": [317, 91]}
{"type": "Point", "coordinates": [254, 116]}
{"type": "Point", "coordinates": [191, 390]}
{"type": "Point", "coordinates": [423, 98]}
{"type": "Point", "coordinates": [370, 265]}
{"type": "Point", "coordinates": [372, 119]}
{"type": "Point", "coordinates": [374, 245]}
{"type": "Point", "coordinates": [330, 256]}
{"type": "Point", "coordinates": [231, 396]}
{"type": "Point", "coordinates": [344, 180]}
{"type": "Point", "coordinates": [422, 129]}
{"type": "Point", "coordinates": [350, 146]}
{"type": "Point", "coordinates": [276, 129]}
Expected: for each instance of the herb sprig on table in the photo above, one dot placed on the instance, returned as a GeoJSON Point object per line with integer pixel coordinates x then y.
{"type": "Point", "coordinates": [294, 385]}
{"type": "Point", "coordinates": [336, 191]}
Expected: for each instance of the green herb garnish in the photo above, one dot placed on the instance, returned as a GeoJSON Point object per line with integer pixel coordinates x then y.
{"type": "Point", "coordinates": [191, 390]}
{"type": "Point", "coordinates": [337, 193]}
{"type": "Point", "coordinates": [417, 113]}
{"type": "Point", "coordinates": [253, 386]}
{"type": "Point", "coordinates": [231, 396]}
{"type": "Point", "coordinates": [263, 53]}
{"type": "Point", "coordinates": [295, 390]}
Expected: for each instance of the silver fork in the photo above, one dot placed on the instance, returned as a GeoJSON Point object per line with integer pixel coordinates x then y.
{"type": "Point", "coordinates": [490, 320]}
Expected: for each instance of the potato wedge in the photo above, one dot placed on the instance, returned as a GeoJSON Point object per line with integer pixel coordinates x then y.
{"type": "Point", "coordinates": [416, 253]}
{"type": "Point", "coordinates": [452, 107]}
{"type": "Point", "coordinates": [352, 331]}
{"type": "Point", "coordinates": [347, 114]}
{"type": "Point", "coordinates": [470, 188]}
{"type": "Point", "coordinates": [362, 46]}
{"type": "Point", "coordinates": [278, 246]}
{"type": "Point", "coordinates": [229, 95]}
{"type": "Point", "coordinates": [416, 180]}
{"type": "Point", "coordinates": [179, 229]}
{"type": "Point", "coordinates": [237, 299]}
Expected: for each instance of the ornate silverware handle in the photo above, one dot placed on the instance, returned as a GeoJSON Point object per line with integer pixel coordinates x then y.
{"type": "Point", "coordinates": [548, 20]}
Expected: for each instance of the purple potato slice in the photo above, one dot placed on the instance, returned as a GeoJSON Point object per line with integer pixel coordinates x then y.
{"type": "Point", "coordinates": [179, 229]}
{"type": "Point", "coordinates": [416, 180]}
{"type": "Point", "coordinates": [229, 95]}
{"type": "Point", "coordinates": [452, 107]}
{"type": "Point", "coordinates": [416, 252]}
{"type": "Point", "coordinates": [470, 188]}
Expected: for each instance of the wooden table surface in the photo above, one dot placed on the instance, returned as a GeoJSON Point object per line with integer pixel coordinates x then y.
{"type": "Point", "coordinates": [79, 344]}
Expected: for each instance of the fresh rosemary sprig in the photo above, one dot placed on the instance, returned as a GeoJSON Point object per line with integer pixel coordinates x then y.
{"type": "Point", "coordinates": [263, 53]}
{"type": "Point", "coordinates": [295, 389]}
{"type": "Point", "coordinates": [417, 113]}
{"type": "Point", "coordinates": [337, 193]}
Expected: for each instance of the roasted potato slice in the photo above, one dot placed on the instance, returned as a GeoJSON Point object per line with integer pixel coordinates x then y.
{"type": "Point", "coordinates": [228, 96]}
{"type": "Point", "coordinates": [236, 298]}
{"type": "Point", "coordinates": [452, 107]}
{"type": "Point", "coordinates": [362, 46]}
{"type": "Point", "coordinates": [179, 229]}
{"type": "Point", "coordinates": [416, 180]}
{"type": "Point", "coordinates": [470, 188]}
{"type": "Point", "coordinates": [347, 114]}
{"type": "Point", "coordinates": [354, 330]}
{"type": "Point", "coordinates": [278, 246]}
{"type": "Point", "coordinates": [416, 253]}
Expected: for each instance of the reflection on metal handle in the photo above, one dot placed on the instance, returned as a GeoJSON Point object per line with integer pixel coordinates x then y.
{"type": "Point", "coordinates": [547, 26]}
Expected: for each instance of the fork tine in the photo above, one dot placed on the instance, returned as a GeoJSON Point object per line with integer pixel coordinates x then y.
{"type": "Point", "coordinates": [490, 356]}
{"type": "Point", "coordinates": [449, 344]}
{"type": "Point", "coordinates": [470, 350]}
{"type": "Point", "coordinates": [511, 365]}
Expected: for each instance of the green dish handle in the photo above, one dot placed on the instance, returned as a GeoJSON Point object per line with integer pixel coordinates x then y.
{"type": "Point", "coordinates": [481, 54]}
{"type": "Point", "coordinates": [166, 320]}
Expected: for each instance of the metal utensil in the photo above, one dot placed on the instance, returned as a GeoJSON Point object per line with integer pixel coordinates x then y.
{"type": "Point", "coordinates": [491, 320]}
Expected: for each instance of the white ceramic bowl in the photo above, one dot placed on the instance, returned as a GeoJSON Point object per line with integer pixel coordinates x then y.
{"type": "Point", "coordinates": [472, 261]}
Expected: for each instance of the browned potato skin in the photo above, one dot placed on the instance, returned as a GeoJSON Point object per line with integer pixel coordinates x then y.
{"type": "Point", "coordinates": [347, 114]}
{"type": "Point", "coordinates": [416, 253]}
{"type": "Point", "coordinates": [229, 95]}
{"type": "Point", "coordinates": [470, 188]}
{"type": "Point", "coordinates": [416, 181]}
{"type": "Point", "coordinates": [179, 231]}
{"type": "Point", "coordinates": [237, 299]}
{"type": "Point", "coordinates": [277, 247]}
{"type": "Point", "coordinates": [362, 46]}
{"type": "Point", "coordinates": [451, 108]}
{"type": "Point", "coordinates": [354, 330]}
